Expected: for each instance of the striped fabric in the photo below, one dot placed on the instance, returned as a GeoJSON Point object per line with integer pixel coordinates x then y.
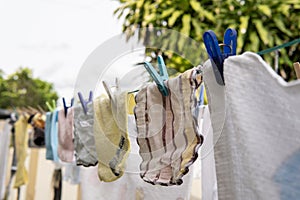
{"type": "Point", "coordinates": [168, 133]}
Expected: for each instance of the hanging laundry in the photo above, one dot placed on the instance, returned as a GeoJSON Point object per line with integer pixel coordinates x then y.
{"type": "Point", "coordinates": [13, 166]}
{"type": "Point", "coordinates": [168, 134]}
{"type": "Point", "coordinates": [21, 139]}
{"type": "Point", "coordinates": [111, 137]}
{"type": "Point", "coordinates": [255, 119]}
{"type": "Point", "coordinates": [65, 136]}
{"type": "Point", "coordinates": [131, 103]}
{"type": "Point", "coordinates": [37, 138]}
{"type": "Point", "coordinates": [51, 131]}
{"type": "Point", "coordinates": [84, 141]}
{"type": "Point", "coordinates": [130, 185]}
{"type": "Point", "coordinates": [209, 189]}
{"type": "Point", "coordinates": [71, 173]}
{"type": "Point", "coordinates": [49, 153]}
{"type": "Point", "coordinates": [54, 136]}
{"type": "Point", "coordinates": [5, 129]}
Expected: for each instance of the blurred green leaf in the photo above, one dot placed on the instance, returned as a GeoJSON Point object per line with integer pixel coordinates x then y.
{"type": "Point", "coordinates": [254, 41]}
{"type": "Point", "coordinates": [167, 12]}
{"type": "Point", "coordinates": [197, 28]}
{"type": "Point", "coordinates": [282, 27]}
{"type": "Point", "coordinates": [263, 33]}
{"type": "Point", "coordinates": [173, 40]}
{"type": "Point", "coordinates": [196, 5]}
{"type": "Point", "coordinates": [244, 20]}
{"type": "Point", "coordinates": [285, 9]}
{"type": "Point", "coordinates": [181, 43]}
{"type": "Point", "coordinates": [174, 17]}
{"type": "Point", "coordinates": [139, 3]}
{"type": "Point", "coordinates": [186, 24]}
{"type": "Point", "coordinates": [296, 2]}
{"type": "Point", "coordinates": [265, 10]}
{"type": "Point", "coordinates": [209, 15]}
{"type": "Point", "coordinates": [150, 18]}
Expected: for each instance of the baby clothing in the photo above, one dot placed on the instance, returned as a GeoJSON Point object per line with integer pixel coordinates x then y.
{"type": "Point", "coordinates": [51, 132]}
{"type": "Point", "coordinates": [21, 139]}
{"type": "Point", "coordinates": [84, 141]}
{"type": "Point", "coordinates": [49, 153]}
{"type": "Point", "coordinates": [54, 136]}
{"type": "Point", "coordinates": [37, 133]}
{"type": "Point", "coordinates": [111, 137]}
{"type": "Point", "coordinates": [5, 133]}
{"type": "Point", "coordinates": [168, 132]}
{"type": "Point", "coordinates": [130, 185]}
{"type": "Point", "coordinates": [65, 135]}
{"type": "Point", "coordinates": [209, 189]}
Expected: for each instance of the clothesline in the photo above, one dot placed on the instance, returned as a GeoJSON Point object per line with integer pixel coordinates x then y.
{"type": "Point", "coordinates": [296, 41]}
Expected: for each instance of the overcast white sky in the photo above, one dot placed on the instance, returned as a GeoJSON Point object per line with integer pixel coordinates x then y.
{"type": "Point", "coordinates": [54, 37]}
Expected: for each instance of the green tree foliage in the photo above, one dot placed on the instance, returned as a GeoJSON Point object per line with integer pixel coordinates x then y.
{"type": "Point", "coordinates": [20, 89]}
{"type": "Point", "coordinates": [260, 24]}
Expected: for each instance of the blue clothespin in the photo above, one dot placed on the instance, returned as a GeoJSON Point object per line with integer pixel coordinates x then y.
{"type": "Point", "coordinates": [83, 102]}
{"type": "Point", "coordinates": [161, 77]}
{"type": "Point", "coordinates": [216, 56]}
{"type": "Point", "coordinates": [65, 105]}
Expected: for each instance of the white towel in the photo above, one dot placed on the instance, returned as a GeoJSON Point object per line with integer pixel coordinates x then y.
{"type": "Point", "coordinates": [255, 119]}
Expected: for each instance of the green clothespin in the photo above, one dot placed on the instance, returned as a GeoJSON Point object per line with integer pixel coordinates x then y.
{"type": "Point", "coordinates": [161, 77]}
{"type": "Point", "coordinates": [51, 107]}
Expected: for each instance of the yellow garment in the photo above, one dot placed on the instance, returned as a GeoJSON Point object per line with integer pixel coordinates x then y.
{"type": "Point", "coordinates": [130, 103]}
{"type": "Point", "coordinates": [111, 137]}
{"type": "Point", "coordinates": [21, 139]}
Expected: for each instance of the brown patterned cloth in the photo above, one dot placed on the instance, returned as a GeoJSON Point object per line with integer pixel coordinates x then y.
{"type": "Point", "coordinates": [168, 133]}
